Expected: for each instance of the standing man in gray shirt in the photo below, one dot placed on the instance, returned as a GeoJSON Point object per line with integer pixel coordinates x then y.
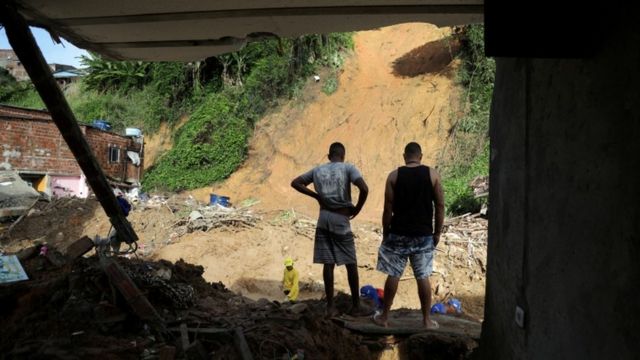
{"type": "Point", "coordinates": [334, 243]}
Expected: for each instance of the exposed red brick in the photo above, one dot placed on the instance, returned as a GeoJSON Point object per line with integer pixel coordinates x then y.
{"type": "Point", "coordinates": [31, 142]}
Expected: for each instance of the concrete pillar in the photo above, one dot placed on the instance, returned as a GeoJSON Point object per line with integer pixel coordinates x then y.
{"type": "Point", "coordinates": [564, 232]}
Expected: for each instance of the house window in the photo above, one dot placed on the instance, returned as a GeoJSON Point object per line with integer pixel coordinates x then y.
{"type": "Point", "coordinates": [114, 154]}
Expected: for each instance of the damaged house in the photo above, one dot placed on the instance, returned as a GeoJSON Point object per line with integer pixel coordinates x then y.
{"type": "Point", "coordinates": [33, 146]}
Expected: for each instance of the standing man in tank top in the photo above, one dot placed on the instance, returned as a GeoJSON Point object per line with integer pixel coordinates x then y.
{"type": "Point", "coordinates": [408, 232]}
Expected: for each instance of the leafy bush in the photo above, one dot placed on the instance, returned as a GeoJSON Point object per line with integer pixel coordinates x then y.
{"type": "Point", "coordinates": [330, 85]}
{"type": "Point", "coordinates": [469, 150]}
{"type": "Point", "coordinates": [459, 198]}
{"type": "Point", "coordinates": [208, 148]}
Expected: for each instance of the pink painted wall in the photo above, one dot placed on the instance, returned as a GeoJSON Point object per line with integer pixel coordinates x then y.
{"type": "Point", "coordinates": [69, 186]}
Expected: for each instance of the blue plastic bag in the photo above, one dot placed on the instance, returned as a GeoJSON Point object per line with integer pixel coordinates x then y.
{"type": "Point", "coordinates": [456, 304]}
{"type": "Point", "coordinates": [369, 292]}
{"type": "Point", "coordinates": [439, 308]}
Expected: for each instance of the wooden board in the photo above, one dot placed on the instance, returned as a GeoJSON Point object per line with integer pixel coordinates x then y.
{"type": "Point", "coordinates": [409, 322]}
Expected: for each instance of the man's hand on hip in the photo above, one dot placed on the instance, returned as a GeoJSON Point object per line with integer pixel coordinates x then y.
{"type": "Point", "coordinates": [436, 239]}
{"type": "Point", "coordinates": [354, 212]}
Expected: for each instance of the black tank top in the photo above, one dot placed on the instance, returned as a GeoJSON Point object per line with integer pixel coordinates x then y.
{"type": "Point", "coordinates": [413, 202]}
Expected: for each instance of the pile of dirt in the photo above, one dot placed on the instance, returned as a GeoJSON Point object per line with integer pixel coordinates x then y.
{"type": "Point", "coordinates": [75, 311]}
{"type": "Point", "coordinates": [64, 220]}
{"type": "Point", "coordinates": [54, 222]}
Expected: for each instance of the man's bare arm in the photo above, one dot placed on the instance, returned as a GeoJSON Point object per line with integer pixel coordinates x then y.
{"type": "Point", "coordinates": [362, 197]}
{"type": "Point", "coordinates": [301, 186]}
{"type": "Point", "coordinates": [388, 203]}
{"type": "Point", "coordinates": [439, 205]}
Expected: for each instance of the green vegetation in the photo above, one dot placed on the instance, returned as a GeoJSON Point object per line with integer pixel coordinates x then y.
{"type": "Point", "coordinates": [225, 96]}
{"type": "Point", "coordinates": [214, 141]}
{"type": "Point", "coordinates": [18, 93]}
{"type": "Point", "coordinates": [331, 84]}
{"type": "Point", "coordinates": [209, 147]}
{"type": "Point", "coordinates": [469, 147]}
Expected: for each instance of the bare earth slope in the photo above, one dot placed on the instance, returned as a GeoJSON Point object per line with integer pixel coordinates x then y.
{"type": "Point", "coordinates": [397, 87]}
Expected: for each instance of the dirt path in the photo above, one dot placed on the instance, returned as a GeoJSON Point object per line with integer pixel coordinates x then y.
{"type": "Point", "coordinates": [386, 98]}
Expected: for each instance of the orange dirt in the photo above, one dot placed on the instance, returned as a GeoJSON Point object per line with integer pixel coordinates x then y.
{"type": "Point", "coordinates": [386, 98]}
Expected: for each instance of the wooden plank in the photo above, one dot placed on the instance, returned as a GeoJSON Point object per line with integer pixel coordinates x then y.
{"type": "Point", "coordinates": [241, 345]}
{"type": "Point", "coordinates": [184, 337]}
{"type": "Point", "coordinates": [27, 50]}
{"type": "Point", "coordinates": [202, 330]}
{"type": "Point", "coordinates": [138, 302]}
{"type": "Point", "coordinates": [409, 322]}
{"type": "Point", "coordinates": [79, 248]}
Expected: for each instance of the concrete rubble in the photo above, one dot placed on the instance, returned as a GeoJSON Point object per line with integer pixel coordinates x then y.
{"type": "Point", "coordinates": [16, 196]}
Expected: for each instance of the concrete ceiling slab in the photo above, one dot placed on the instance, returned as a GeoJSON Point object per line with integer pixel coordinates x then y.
{"type": "Point", "coordinates": [192, 30]}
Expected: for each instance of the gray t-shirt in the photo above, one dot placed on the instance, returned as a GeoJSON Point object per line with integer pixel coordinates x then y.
{"type": "Point", "coordinates": [332, 182]}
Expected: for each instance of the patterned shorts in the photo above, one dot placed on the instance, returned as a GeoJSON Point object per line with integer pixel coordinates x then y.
{"type": "Point", "coordinates": [396, 249]}
{"type": "Point", "coordinates": [334, 240]}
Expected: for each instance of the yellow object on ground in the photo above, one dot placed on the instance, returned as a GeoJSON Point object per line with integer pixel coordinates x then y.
{"type": "Point", "coordinates": [290, 282]}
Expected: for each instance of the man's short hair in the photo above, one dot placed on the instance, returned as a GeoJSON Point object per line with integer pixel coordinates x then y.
{"type": "Point", "coordinates": [336, 149]}
{"type": "Point", "coordinates": [412, 149]}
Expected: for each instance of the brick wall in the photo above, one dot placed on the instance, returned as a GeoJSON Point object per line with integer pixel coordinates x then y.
{"type": "Point", "coordinates": [31, 143]}
{"type": "Point", "coordinates": [35, 146]}
{"type": "Point", "coordinates": [101, 141]}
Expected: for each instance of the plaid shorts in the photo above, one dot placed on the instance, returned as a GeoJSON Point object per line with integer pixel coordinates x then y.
{"type": "Point", "coordinates": [396, 249]}
{"type": "Point", "coordinates": [334, 240]}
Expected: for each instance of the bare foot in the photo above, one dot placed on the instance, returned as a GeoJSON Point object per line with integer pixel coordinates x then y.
{"type": "Point", "coordinates": [379, 320]}
{"type": "Point", "coordinates": [431, 324]}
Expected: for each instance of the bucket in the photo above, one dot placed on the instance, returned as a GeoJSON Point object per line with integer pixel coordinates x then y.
{"type": "Point", "coordinates": [221, 200]}
{"type": "Point", "coordinates": [224, 201]}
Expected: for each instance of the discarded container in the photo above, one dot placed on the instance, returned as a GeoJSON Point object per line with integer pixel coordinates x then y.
{"type": "Point", "coordinates": [438, 308]}
{"type": "Point", "coordinates": [101, 124]}
{"type": "Point", "coordinates": [224, 201]}
{"type": "Point", "coordinates": [373, 294]}
{"type": "Point", "coordinates": [453, 306]}
{"type": "Point", "coordinates": [456, 305]}
{"type": "Point", "coordinates": [135, 132]}
{"type": "Point", "coordinates": [220, 200]}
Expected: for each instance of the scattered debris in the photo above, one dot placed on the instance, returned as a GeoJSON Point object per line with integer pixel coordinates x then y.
{"type": "Point", "coordinates": [16, 196]}
{"type": "Point", "coordinates": [114, 309]}
{"type": "Point", "coordinates": [216, 216]}
{"type": "Point", "coordinates": [480, 186]}
{"type": "Point", "coordinates": [11, 270]}
{"type": "Point", "coordinates": [461, 258]}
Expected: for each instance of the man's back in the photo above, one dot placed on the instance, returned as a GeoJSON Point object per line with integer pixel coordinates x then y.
{"type": "Point", "coordinates": [413, 198]}
{"type": "Point", "coordinates": [332, 181]}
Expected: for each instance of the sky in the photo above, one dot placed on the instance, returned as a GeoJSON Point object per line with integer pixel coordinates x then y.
{"type": "Point", "coordinates": [64, 53]}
